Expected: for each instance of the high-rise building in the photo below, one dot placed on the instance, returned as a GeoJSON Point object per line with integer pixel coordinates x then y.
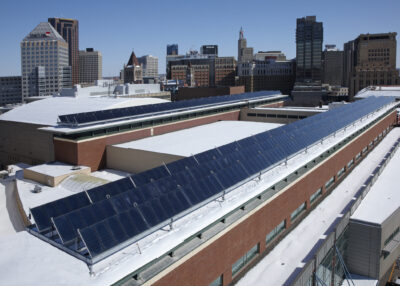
{"type": "Point", "coordinates": [44, 62]}
{"type": "Point", "coordinates": [10, 90]}
{"type": "Point", "coordinates": [149, 65]}
{"type": "Point", "coordinates": [269, 74]}
{"type": "Point", "coordinates": [370, 59]}
{"type": "Point", "coordinates": [172, 49]}
{"type": "Point", "coordinates": [309, 37]}
{"type": "Point", "coordinates": [332, 60]}
{"type": "Point", "coordinates": [211, 50]}
{"type": "Point", "coordinates": [202, 70]}
{"type": "Point", "coordinates": [69, 30]}
{"type": "Point", "coordinates": [245, 54]}
{"type": "Point", "coordinates": [90, 66]}
{"type": "Point", "coordinates": [132, 72]}
{"type": "Point", "coordinates": [225, 71]}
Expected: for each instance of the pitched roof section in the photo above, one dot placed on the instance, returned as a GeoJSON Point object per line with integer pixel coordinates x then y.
{"type": "Point", "coordinates": [133, 60]}
{"type": "Point", "coordinates": [43, 31]}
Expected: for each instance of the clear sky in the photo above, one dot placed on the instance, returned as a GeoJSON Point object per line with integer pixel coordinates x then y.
{"type": "Point", "coordinates": [117, 27]}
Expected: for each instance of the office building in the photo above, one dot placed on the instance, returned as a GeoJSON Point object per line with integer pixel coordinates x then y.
{"type": "Point", "coordinates": [10, 90]}
{"type": "Point", "coordinates": [270, 55]}
{"type": "Point", "coordinates": [69, 30]}
{"type": "Point", "coordinates": [332, 60]}
{"type": "Point", "coordinates": [149, 65]}
{"type": "Point", "coordinates": [225, 71]}
{"type": "Point", "coordinates": [90, 66]}
{"type": "Point", "coordinates": [185, 93]}
{"type": "Point", "coordinates": [267, 74]}
{"type": "Point", "coordinates": [370, 59]}
{"type": "Point", "coordinates": [44, 62]}
{"type": "Point", "coordinates": [132, 72]}
{"type": "Point", "coordinates": [172, 49]}
{"type": "Point", "coordinates": [245, 54]}
{"type": "Point", "coordinates": [211, 50]}
{"type": "Point", "coordinates": [309, 37]}
{"type": "Point", "coordinates": [202, 70]}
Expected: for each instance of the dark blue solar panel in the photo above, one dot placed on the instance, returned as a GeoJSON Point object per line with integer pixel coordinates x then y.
{"type": "Point", "coordinates": [42, 214]}
{"type": "Point", "coordinates": [168, 107]}
{"type": "Point", "coordinates": [68, 224]}
{"type": "Point", "coordinates": [150, 175]}
{"type": "Point", "coordinates": [165, 192]}
{"type": "Point", "coordinates": [182, 164]}
{"type": "Point", "coordinates": [110, 190]}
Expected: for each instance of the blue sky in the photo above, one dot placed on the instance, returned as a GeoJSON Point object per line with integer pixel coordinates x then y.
{"type": "Point", "coordinates": [117, 27]}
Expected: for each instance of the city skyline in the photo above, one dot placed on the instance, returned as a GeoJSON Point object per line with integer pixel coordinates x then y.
{"type": "Point", "coordinates": [266, 27]}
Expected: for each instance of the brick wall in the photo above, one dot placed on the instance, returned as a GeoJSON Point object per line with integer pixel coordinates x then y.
{"type": "Point", "coordinates": [91, 152]}
{"type": "Point", "coordinates": [217, 257]}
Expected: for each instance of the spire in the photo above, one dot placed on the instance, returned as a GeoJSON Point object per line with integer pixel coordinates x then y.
{"type": "Point", "coordinates": [241, 33]}
{"type": "Point", "coordinates": [133, 60]}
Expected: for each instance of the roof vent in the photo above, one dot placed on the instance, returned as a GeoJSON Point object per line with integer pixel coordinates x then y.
{"type": "Point", "coordinates": [37, 189]}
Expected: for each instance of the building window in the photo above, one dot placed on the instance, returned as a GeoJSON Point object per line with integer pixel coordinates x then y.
{"type": "Point", "coordinates": [217, 282]}
{"type": "Point", "coordinates": [329, 182]}
{"type": "Point", "coordinates": [275, 232]}
{"type": "Point", "coordinates": [242, 261]}
{"type": "Point", "coordinates": [351, 162]}
{"type": "Point", "coordinates": [392, 235]}
{"type": "Point", "coordinates": [340, 172]}
{"type": "Point", "coordinates": [364, 150]}
{"type": "Point", "coordinates": [358, 156]}
{"type": "Point", "coordinates": [298, 211]}
{"type": "Point", "coordinates": [316, 195]}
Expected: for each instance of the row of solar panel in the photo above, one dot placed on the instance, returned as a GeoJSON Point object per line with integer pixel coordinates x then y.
{"type": "Point", "coordinates": [93, 239]}
{"type": "Point", "coordinates": [94, 116]}
{"type": "Point", "coordinates": [227, 165]}
{"type": "Point", "coordinates": [164, 172]}
{"type": "Point", "coordinates": [215, 153]}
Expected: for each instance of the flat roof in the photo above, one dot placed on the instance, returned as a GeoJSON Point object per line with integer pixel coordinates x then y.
{"type": "Point", "coordinates": [198, 139]}
{"type": "Point", "coordinates": [294, 108]}
{"type": "Point", "coordinates": [57, 265]}
{"type": "Point", "coordinates": [379, 91]}
{"type": "Point", "coordinates": [292, 251]}
{"type": "Point", "coordinates": [46, 111]}
{"type": "Point", "coordinates": [55, 169]}
{"type": "Point", "coordinates": [383, 199]}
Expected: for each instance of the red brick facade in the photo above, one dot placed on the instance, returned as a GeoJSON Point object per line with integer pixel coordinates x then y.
{"type": "Point", "coordinates": [218, 257]}
{"type": "Point", "coordinates": [92, 152]}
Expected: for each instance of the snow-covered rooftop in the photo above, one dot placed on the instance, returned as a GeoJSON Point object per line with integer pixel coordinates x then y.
{"type": "Point", "coordinates": [379, 91]}
{"type": "Point", "coordinates": [195, 140]}
{"type": "Point", "coordinates": [69, 186]}
{"type": "Point", "coordinates": [49, 265]}
{"type": "Point", "coordinates": [46, 111]}
{"type": "Point", "coordinates": [383, 199]}
{"type": "Point", "coordinates": [293, 250]}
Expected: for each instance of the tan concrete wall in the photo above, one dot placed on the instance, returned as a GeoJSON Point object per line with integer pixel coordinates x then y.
{"type": "Point", "coordinates": [22, 142]}
{"type": "Point", "coordinates": [51, 180]}
{"type": "Point", "coordinates": [136, 161]}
